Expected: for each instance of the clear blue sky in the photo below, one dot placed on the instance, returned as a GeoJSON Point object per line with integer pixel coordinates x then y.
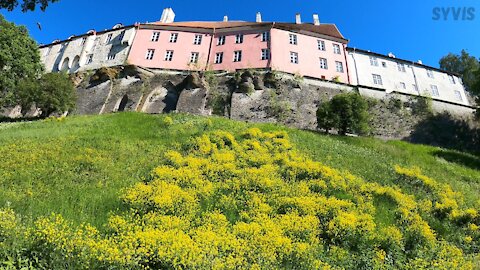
{"type": "Point", "coordinates": [405, 28]}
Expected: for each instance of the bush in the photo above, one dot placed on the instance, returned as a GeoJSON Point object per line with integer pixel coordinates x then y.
{"type": "Point", "coordinates": [54, 92]}
{"type": "Point", "coordinates": [348, 113]}
{"type": "Point", "coordinates": [422, 106]}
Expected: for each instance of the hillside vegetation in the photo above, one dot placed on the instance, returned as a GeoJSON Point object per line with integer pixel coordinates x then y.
{"type": "Point", "coordinates": [185, 192]}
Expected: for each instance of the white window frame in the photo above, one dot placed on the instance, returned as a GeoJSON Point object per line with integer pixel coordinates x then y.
{"type": "Point", "coordinates": [384, 64]}
{"type": "Point", "coordinates": [169, 55]}
{"type": "Point", "coordinates": [452, 79]}
{"type": "Point", "coordinates": [336, 49]}
{"type": "Point", "coordinates": [89, 59]}
{"type": "Point", "coordinates": [83, 41]}
{"type": "Point", "coordinates": [194, 57]}
{"type": "Point", "coordinates": [197, 40]}
{"type": "Point", "coordinates": [293, 39]}
{"type": "Point", "coordinates": [374, 61]}
{"type": "Point", "coordinates": [377, 79]}
{"type": "Point", "coordinates": [47, 51]}
{"type": "Point", "coordinates": [265, 36]}
{"type": "Point", "coordinates": [155, 36]}
{"type": "Point", "coordinates": [339, 66]}
{"type": "Point", "coordinates": [221, 40]}
{"type": "Point", "coordinates": [323, 63]}
{"type": "Point", "coordinates": [321, 45]}
{"type": "Point", "coordinates": [403, 86]}
{"type": "Point", "coordinates": [265, 54]}
{"type": "Point", "coordinates": [150, 54]}
{"type": "Point", "coordinates": [237, 56]}
{"type": "Point", "coordinates": [294, 57]}
{"type": "Point", "coordinates": [173, 37]}
{"type": "Point", "coordinates": [401, 67]}
{"type": "Point", "coordinates": [111, 56]}
{"type": "Point", "coordinates": [430, 73]}
{"type": "Point", "coordinates": [434, 90]}
{"type": "Point", "coordinates": [219, 58]}
{"type": "Point", "coordinates": [239, 39]}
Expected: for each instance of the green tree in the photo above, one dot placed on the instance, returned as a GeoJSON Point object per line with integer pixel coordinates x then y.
{"type": "Point", "coordinates": [463, 64]}
{"type": "Point", "coordinates": [26, 5]}
{"type": "Point", "coordinates": [54, 92]}
{"type": "Point", "coordinates": [19, 59]}
{"type": "Point", "coordinates": [348, 113]}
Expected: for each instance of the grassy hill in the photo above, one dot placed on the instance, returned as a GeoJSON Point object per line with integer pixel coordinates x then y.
{"type": "Point", "coordinates": [107, 169]}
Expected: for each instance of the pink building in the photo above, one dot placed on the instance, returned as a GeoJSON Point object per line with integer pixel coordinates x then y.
{"type": "Point", "coordinates": [314, 50]}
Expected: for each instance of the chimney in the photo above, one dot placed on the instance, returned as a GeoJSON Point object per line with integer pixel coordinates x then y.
{"type": "Point", "coordinates": [391, 55]}
{"type": "Point", "coordinates": [316, 20]}
{"type": "Point", "coordinates": [225, 18]}
{"type": "Point", "coordinates": [298, 19]}
{"type": "Point", "coordinates": [168, 16]}
{"type": "Point", "coordinates": [259, 17]}
{"type": "Point", "coordinates": [420, 62]}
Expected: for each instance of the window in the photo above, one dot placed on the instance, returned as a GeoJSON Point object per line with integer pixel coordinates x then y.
{"type": "Point", "coordinates": [403, 85]}
{"type": "Point", "coordinates": [321, 45]}
{"type": "Point", "coordinates": [219, 58]}
{"type": "Point", "coordinates": [173, 37]}
{"type": "Point", "coordinates": [293, 39]}
{"type": "Point", "coordinates": [401, 67]}
{"type": "Point", "coordinates": [169, 55]}
{"type": "Point", "coordinates": [458, 95]}
{"type": "Point", "coordinates": [155, 36]}
{"type": "Point", "coordinates": [384, 64]}
{"type": "Point", "coordinates": [265, 36]}
{"type": "Point", "coordinates": [294, 57]}
{"type": "Point", "coordinates": [84, 39]}
{"type": "Point", "coordinates": [194, 57]}
{"type": "Point", "coordinates": [415, 87]}
{"type": "Point", "coordinates": [377, 79]}
{"type": "Point", "coordinates": [237, 56]}
{"type": "Point", "coordinates": [239, 38]}
{"type": "Point", "coordinates": [265, 54]}
{"type": "Point", "coordinates": [373, 61]}
{"type": "Point", "coordinates": [197, 40]}
{"type": "Point", "coordinates": [111, 56]}
{"type": "Point", "coordinates": [452, 79]}
{"type": "Point", "coordinates": [120, 37]}
{"type": "Point", "coordinates": [47, 51]}
{"type": "Point", "coordinates": [339, 66]}
{"type": "Point", "coordinates": [89, 59]}
{"type": "Point", "coordinates": [63, 46]}
{"type": "Point", "coordinates": [109, 38]}
{"type": "Point", "coordinates": [323, 63]}
{"type": "Point", "coordinates": [430, 73]}
{"type": "Point", "coordinates": [221, 41]}
{"type": "Point", "coordinates": [435, 92]}
{"type": "Point", "coordinates": [150, 53]}
{"type": "Point", "coordinates": [336, 49]}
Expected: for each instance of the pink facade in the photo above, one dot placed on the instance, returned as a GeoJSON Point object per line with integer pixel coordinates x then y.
{"type": "Point", "coordinates": [241, 45]}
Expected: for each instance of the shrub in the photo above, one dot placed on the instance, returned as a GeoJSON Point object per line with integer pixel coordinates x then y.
{"type": "Point", "coordinates": [345, 112]}
{"type": "Point", "coordinates": [422, 105]}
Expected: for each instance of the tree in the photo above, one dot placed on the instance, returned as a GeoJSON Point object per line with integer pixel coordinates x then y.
{"type": "Point", "coordinates": [54, 92]}
{"type": "Point", "coordinates": [348, 113]}
{"type": "Point", "coordinates": [463, 64]}
{"type": "Point", "coordinates": [19, 59]}
{"type": "Point", "coordinates": [27, 5]}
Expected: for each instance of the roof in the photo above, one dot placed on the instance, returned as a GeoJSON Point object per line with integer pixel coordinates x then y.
{"type": "Point", "coordinates": [330, 30]}
{"type": "Point", "coordinates": [402, 60]}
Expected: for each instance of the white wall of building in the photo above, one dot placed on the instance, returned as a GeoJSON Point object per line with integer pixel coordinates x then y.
{"type": "Point", "coordinates": [413, 79]}
{"type": "Point", "coordinates": [105, 49]}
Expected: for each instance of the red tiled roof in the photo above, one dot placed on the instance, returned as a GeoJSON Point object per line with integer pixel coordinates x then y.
{"type": "Point", "coordinates": [324, 29]}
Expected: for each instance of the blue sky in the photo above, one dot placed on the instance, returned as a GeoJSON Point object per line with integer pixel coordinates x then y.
{"type": "Point", "coordinates": [406, 28]}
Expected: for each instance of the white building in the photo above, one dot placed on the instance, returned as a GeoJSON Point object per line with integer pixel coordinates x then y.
{"type": "Point", "coordinates": [406, 77]}
{"type": "Point", "coordinates": [89, 51]}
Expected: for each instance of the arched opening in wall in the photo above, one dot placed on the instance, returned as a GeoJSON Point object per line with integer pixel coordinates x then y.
{"type": "Point", "coordinates": [75, 64]}
{"type": "Point", "coordinates": [64, 65]}
{"type": "Point", "coordinates": [123, 104]}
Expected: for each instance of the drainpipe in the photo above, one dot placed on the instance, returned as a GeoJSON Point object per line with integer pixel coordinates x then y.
{"type": "Point", "coordinates": [210, 49]}
{"type": "Point", "coordinates": [415, 78]}
{"type": "Point", "coordinates": [346, 62]}
{"type": "Point", "coordinates": [355, 65]}
{"type": "Point", "coordinates": [269, 46]}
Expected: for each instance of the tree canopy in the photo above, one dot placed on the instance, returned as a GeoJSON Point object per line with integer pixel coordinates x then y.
{"type": "Point", "coordinates": [463, 64]}
{"type": "Point", "coordinates": [19, 59]}
{"type": "Point", "coordinates": [27, 5]}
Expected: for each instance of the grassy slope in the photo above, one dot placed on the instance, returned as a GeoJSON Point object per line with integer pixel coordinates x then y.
{"type": "Point", "coordinates": [78, 167]}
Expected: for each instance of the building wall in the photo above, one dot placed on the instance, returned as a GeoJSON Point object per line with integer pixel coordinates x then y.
{"type": "Point", "coordinates": [71, 55]}
{"type": "Point", "coordinates": [251, 49]}
{"type": "Point", "coordinates": [182, 50]}
{"type": "Point", "coordinates": [361, 73]}
{"type": "Point", "coordinates": [308, 56]}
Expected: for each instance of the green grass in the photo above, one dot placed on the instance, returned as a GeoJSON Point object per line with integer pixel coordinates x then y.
{"type": "Point", "coordinates": [79, 166]}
